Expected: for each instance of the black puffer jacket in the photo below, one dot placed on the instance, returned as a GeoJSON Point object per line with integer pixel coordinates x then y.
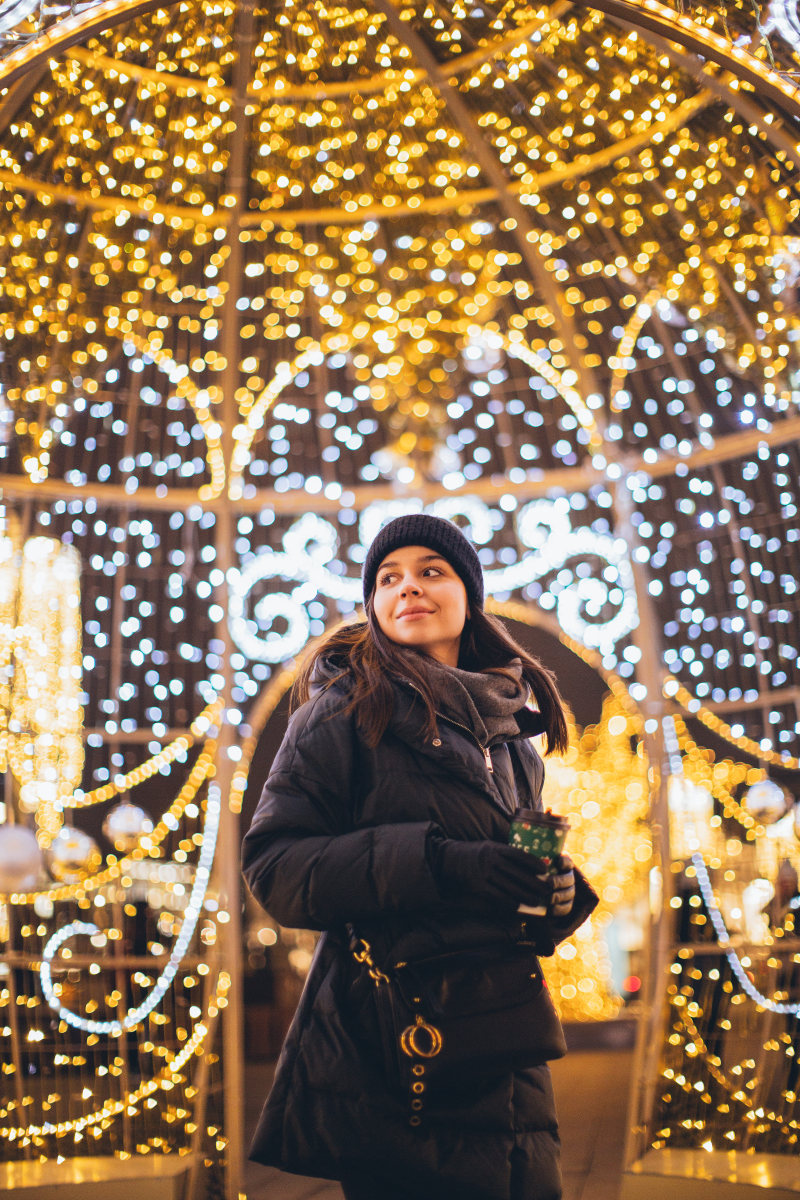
{"type": "Point", "coordinates": [346, 833]}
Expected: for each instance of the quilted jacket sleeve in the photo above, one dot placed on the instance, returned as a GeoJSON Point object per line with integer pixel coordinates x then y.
{"type": "Point", "coordinates": [301, 858]}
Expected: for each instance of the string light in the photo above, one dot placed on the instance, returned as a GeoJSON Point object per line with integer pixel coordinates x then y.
{"type": "Point", "coordinates": [600, 783]}
{"type": "Point", "coordinates": [14, 12]}
{"type": "Point", "coordinates": [87, 929]}
{"type": "Point", "coordinates": [783, 16]}
{"type": "Point", "coordinates": [676, 691]}
{"type": "Point", "coordinates": [41, 715]}
{"type": "Point", "coordinates": [148, 845]}
{"type": "Point", "coordinates": [311, 543]}
{"type": "Point", "coordinates": [165, 1078]}
{"type": "Point", "coordinates": [201, 400]}
{"type": "Point", "coordinates": [724, 940]}
{"type": "Point", "coordinates": [698, 766]}
{"type": "Point", "coordinates": [163, 1081]}
{"type": "Point", "coordinates": [152, 766]}
{"type": "Point", "coordinates": [788, 1128]}
{"type": "Point", "coordinates": [706, 1007]}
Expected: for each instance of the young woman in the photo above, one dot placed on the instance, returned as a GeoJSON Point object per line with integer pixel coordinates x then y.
{"type": "Point", "coordinates": [387, 809]}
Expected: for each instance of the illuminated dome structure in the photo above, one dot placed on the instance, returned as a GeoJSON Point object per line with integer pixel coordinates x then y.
{"type": "Point", "coordinates": [270, 274]}
{"type": "Point", "coordinates": [512, 253]}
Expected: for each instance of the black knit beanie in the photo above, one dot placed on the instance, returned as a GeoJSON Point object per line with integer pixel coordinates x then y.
{"type": "Point", "coordinates": [420, 529]}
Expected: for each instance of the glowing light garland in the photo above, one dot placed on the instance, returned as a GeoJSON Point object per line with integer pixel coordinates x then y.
{"type": "Point", "coordinates": [674, 690]}
{"type": "Point", "coordinates": [783, 16]}
{"type": "Point", "coordinates": [703, 774]}
{"type": "Point", "coordinates": [709, 898]}
{"type": "Point", "coordinates": [41, 716]}
{"type": "Point", "coordinates": [164, 1081]}
{"type": "Point", "coordinates": [14, 12]}
{"type": "Point", "coordinates": [203, 768]}
{"type": "Point", "coordinates": [152, 766]}
{"type": "Point", "coordinates": [725, 942]}
{"type": "Point", "coordinates": [735, 1091]}
{"type": "Point", "coordinates": [199, 398]}
{"type": "Point", "coordinates": [253, 416]}
{"type": "Point", "coordinates": [136, 1015]}
{"type": "Point", "coordinates": [543, 525]}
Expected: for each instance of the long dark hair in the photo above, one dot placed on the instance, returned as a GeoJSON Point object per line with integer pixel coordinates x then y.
{"type": "Point", "coordinates": [369, 660]}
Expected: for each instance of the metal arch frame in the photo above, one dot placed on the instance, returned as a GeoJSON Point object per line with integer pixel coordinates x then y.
{"type": "Point", "coordinates": [71, 30]}
{"type": "Point", "coordinates": [721, 89]}
{"type": "Point", "coordinates": [367, 85]}
{"type": "Point", "coordinates": [654, 17]}
{"type": "Point", "coordinates": [567, 479]}
{"type": "Point", "coordinates": [648, 15]}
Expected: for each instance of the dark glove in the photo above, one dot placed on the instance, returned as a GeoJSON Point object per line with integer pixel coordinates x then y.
{"type": "Point", "coordinates": [563, 878]}
{"type": "Point", "coordinates": [586, 900]}
{"type": "Point", "coordinates": [497, 873]}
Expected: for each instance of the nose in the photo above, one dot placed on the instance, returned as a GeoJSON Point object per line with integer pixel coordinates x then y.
{"type": "Point", "coordinates": [410, 587]}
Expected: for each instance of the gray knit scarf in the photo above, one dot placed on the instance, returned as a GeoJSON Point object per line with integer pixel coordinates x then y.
{"type": "Point", "coordinates": [484, 701]}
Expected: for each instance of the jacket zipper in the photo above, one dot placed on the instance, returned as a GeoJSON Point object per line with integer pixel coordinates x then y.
{"type": "Point", "coordinates": [485, 751]}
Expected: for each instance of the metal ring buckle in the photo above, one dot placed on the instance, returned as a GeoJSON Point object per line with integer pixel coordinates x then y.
{"type": "Point", "coordinates": [421, 1040]}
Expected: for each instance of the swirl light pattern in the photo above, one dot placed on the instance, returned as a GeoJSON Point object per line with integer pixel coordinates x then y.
{"type": "Point", "coordinates": [136, 1015]}
{"type": "Point", "coordinates": [596, 607]}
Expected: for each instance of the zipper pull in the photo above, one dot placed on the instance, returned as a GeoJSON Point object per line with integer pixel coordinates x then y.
{"type": "Point", "coordinates": [487, 754]}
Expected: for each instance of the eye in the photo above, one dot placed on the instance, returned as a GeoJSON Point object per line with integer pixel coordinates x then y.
{"type": "Point", "coordinates": [385, 578]}
{"type": "Point", "coordinates": [435, 570]}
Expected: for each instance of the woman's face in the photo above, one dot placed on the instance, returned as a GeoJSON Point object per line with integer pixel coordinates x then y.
{"type": "Point", "coordinates": [420, 601]}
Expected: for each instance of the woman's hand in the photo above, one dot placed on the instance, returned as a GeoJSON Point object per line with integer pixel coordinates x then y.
{"type": "Point", "coordinates": [563, 896]}
{"type": "Point", "coordinates": [496, 872]}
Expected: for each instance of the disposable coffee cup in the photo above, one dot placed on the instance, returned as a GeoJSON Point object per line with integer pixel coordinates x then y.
{"type": "Point", "coordinates": [541, 834]}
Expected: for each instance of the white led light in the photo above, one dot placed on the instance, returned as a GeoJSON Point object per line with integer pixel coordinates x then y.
{"type": "Point", "coordinates": [707, 891]}
{"type": "Point", "coordinates": [14, 12]}
{"type": "Point", "coordinates": [135, 1016]}
{"type": "Point", "coordinates": [783, 16]}
{"type": "Point", "coordinates": [710, 901]}
{"type": "Point", "coordinates": [543, 525]}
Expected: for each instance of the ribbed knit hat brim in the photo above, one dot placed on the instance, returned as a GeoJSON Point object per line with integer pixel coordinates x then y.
{"type": "Point", "coordinates": [421, 529]}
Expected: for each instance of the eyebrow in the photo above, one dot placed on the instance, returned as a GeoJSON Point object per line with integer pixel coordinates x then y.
{"type": "Point", "coordinates": [391, 562]}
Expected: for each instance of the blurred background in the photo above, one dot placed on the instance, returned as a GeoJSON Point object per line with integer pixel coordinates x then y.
{"type": "Point", "coordinates": [271, 275]}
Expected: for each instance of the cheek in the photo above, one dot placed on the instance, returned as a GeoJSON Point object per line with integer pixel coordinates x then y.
{"type": "Point", "coordinates": [458, 609]}
{"type": "Point", "coordinates": [381, 609]}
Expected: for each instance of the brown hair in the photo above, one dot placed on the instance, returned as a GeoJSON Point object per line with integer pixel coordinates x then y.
{"type": "Point", "coordinates": [362, 654]}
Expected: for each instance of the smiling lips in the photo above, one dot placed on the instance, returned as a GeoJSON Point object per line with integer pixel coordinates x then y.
{"type": "Point", "coordinates": [414, 612]}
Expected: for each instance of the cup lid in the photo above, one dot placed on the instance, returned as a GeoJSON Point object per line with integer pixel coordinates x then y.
{"type": "Point", "coordinates": [537, 817]}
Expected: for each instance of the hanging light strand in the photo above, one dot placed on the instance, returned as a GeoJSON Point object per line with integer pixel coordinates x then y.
{"type": "Point", "coordinates": [163, 1081]}
{"type": "Point", "coordinates": [152, 766]}
{"type": "Point", "coordinates": [136, 1015]}
{"type": "Point", "coordinates": [148, 846]}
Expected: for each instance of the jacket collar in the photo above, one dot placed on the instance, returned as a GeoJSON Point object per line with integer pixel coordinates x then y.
{"type": "Point", "coordinates": [458, 750]}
